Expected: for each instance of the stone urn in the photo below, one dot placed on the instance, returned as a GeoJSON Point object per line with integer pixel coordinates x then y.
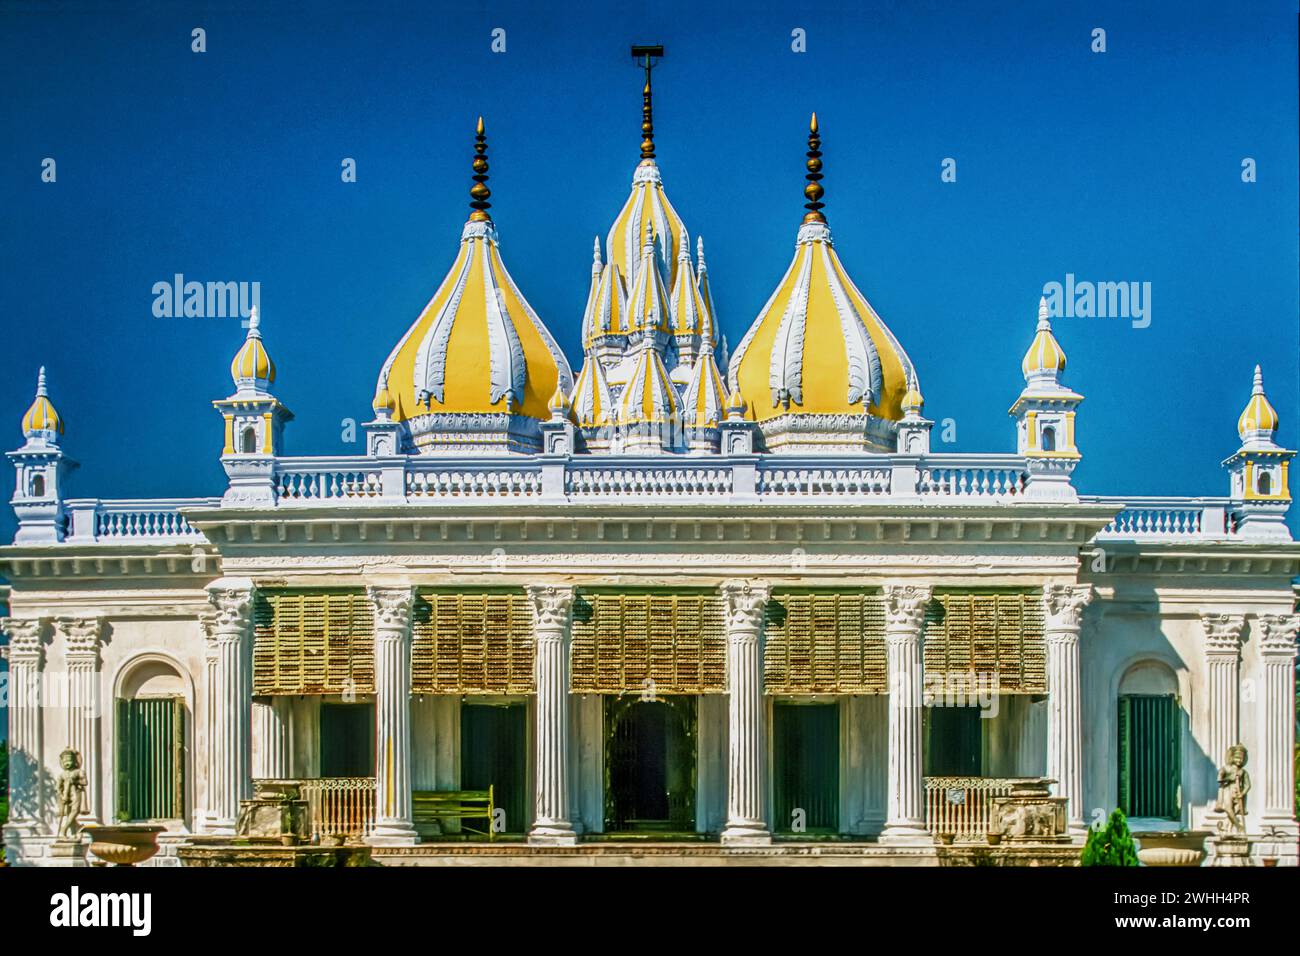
{"type": "Point", "coordinates": [1173, 848]}
{"type": "Point", "coordinates": [124, 844]}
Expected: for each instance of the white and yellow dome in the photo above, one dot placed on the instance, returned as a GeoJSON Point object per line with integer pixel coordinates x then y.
{"type": "Point", "coordinates": [648, 306]}
{"type": "Point", "coordinates": [690, 315]}
{"type": "Point", "coordinates": [1045, 358]}
{"type": "Point", "coordinates": [42, 420]}
{"type": "Point", "coordinates": [252, 365]}
{"type": "Point", "coordinates": [704, 401]}
{"type": "Point", "coordinates": [818, 347]}
{"type": "Point", "coordinates": [647, 215]}
{"type": "Point", "coordinates": [1259, 420]}
{"type": "Point", "coordinates": [592, 401]}
{"type": "Point", "coordinates": [649, 397]}
{"type": "Point", "coordinates": [706, 294]}
{"type": "Point", "coordinates": [608, 312]}
{"type": "Point", "coordinates": [477, 348]}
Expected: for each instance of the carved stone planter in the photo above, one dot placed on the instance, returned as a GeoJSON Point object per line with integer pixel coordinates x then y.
{"type": "Point", "coordinates": [276, 812]}
{"type": "Point", "coordinates": [124, 844]}
{"type": "Point", "coordinates": [1179, 848]}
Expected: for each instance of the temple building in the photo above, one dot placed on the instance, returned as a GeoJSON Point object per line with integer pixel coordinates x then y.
{"type": "Point", "coordinates": [662, 593]}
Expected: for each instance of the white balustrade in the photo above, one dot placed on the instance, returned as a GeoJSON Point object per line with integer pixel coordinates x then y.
{"type": "Point", "coordinates": [970, 481]}
{"type": "Point", "coordinates": [648, 480]}
{"type": "Point", "coordinates": [157, 520]}
{"type": "Point", "coordinates": [1166, 519]}
{"type": "Point", "coordinates": [840, 482]}
{"type": "Point", "coordinates": [962, 806]}
{"type": "Point", "coordinates": [328, 485]}
{"type": "Point", "coordinates": [442, 482]}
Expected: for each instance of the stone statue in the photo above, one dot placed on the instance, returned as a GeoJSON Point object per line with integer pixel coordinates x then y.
{"type": "Point", "coordinates": [1234, 784]}
{"type": "Point", "coordinates": [71, 793]}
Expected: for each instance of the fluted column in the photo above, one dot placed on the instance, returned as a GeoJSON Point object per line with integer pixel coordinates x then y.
{"type": "Point", "coordinates": [207, 623]}
{"type": "Point", "coordinates": [231, 691]}
{"type": "Point", "coordinates": [553, 612]}
{"type": "Point", "coordinates": [747, 740]}
{"type": "Point", "coordinates": [1277, 727]}
{"type": "Point", "coordinates": [393, 822]}
{"type": "Point", "coordinates": [271, 729]}
{"type": "Point", "coordinates": [1063, 606]}
{"type": "Point", "coordinates": [26, 656]}
{"type": "Point", "coordinates": [81, 643]}
{"type": "Point", "coordinates": [904, 617]}
{"type": "Point", "coordinates": [1223, 635]}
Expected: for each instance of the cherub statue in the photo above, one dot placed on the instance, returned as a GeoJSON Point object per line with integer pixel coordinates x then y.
{"type": "Point", "coordinates": [1234, 784]}
{"type": "Point", "coordinates": [72, 794]}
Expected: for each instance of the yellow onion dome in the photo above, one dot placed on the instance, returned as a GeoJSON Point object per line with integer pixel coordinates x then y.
{"type": "Point", "coordinates": [559, 403]}
{"type": "Point", "coordinates": [689, 315]}
{"type": "Point", "coordinates": [42, 420]}
{"type": "Point", "coordinates": [912, 400]}
{"type": "Point", "coordinates": [710, 331]}
{"type": "Point", "coordinates": [704, 400]}
{"type": "Point", "coordinates": [736, 406]}
{"type": "Point", "coordinates": [252, 366]}
{"type": "Point", "coordinates": [649, 397]}
{"type": "Point", "coordinates": [592, 401]}
{"type": "Point", "coordinates": [648, 308]}
{"type": "Point", "coordinates": [1259, 418]}
{"type": "Point", "coordinates": [818, 347]}
{"type": "Point", "coordinates": [1045, 358]}
{"type": "Point", "coordinates": [647, 212]}
{"type": "Point", "coordinates": [477, 347]}
{"type": "Point", "coordinates": [609, 310]}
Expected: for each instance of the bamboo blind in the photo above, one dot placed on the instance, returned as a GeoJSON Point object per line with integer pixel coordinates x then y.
{"type": "Point", "coordinates": [825, 642]}
{"type": "Point", "coordinates": [671, 643]}
{"type": "Point", "coordinates": [472, 643]}
{"type": "Point", "coordinates": [313, 642]}
{"type": "Point", "coordinates": [982, 641]}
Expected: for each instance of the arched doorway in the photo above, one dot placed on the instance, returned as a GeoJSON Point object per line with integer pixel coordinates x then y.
{"type": "Point", "coordinates": [650, 764]}
{"type": "Point", "coordinates": [151, 717]}
{"type": "Point", "coordinates": [1150, 743]}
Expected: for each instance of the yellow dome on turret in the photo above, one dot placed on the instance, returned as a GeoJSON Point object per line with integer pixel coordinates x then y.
{"type": "Point", "coordinates": [818, 347]}
{"type": "Point", "coordinates": [252, 364]}
{"type": "Point", "coordinates": [42, 418]}
{"type": "Point", "coordinates": [478, 347]}
{"type": "Point", "coordinates": [1258, 418]}
{"type": "Point", "coordinates": [1045, 355]}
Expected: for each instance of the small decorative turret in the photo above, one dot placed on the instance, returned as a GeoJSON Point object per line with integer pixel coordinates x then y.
{"type": "Point", "coordinates": [252, 369]}
{"type": "Point", "coordinates": [914, 429]}
{"type": "Point", "coordinates": [41, 468]}
{"type": "Point", "coordinates": [1258, 471]}
{"type": "Point", "coordinates": [1044, 415]}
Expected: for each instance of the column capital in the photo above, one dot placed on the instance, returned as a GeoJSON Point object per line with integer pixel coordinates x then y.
{"type": "Point", "coordinates": [1278, 634]}
{"type": "Point", "coordinates": [746, 604]}
{"type": "Point", "coordinates": [82, 636]}
{"type": "Point", "coordinates": [392, 606]}
{"type": "Point", "coordinates": [552, 605]}
{"type": "Point", "coordinates": [905, 606]}
{"type": "Point", "coordinates": [232, 601]}
{"type": "Point", "coordinates": [208, 624]}
{"type": "Point", "coordinates": [1063, 606]}
{"type": "Point", "coordinates": [27, 638]}
{"type": "Point", "coordinates": [1223, 632]}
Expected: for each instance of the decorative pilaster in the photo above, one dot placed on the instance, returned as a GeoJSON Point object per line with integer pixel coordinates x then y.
{"type": "Point", "coordinates": [231, 697]}
{"type": "Point", "coordinates": [553, 612]}
{"type": "Point", "coordinates": [746, 605]}
{"type": "Point", "coordinates": [1223, 636]}
{"type": "Point", "coordinates": [81, 643]}
{"type": "Point", "coordinates": [25, 653]}
{"type": "Point", "coordinates": [393, 822]}
{"type": "Point", "coordinates": [1063, 606]}
{"type": "Point", "coordinates": [1277, 649]}
{"type": "Point", "coordinates": [904, 617]}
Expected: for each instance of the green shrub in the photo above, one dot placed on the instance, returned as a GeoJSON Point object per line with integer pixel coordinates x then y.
{"type": "Point", "coordinates": [1111, 845]}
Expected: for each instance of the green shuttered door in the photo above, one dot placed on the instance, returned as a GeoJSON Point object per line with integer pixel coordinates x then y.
{"type": "Point", "coordinates": [150, 758]}
{"type": "Point", "coordinates": [1149, 766]}
{"type": "Point", "coordinates": [806, 745]}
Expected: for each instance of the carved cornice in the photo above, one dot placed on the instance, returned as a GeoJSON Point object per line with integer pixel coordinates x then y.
{"type": "Point", "coordinates": [905, 605]}
{"type": "Point", "coordinates": [746, 603]}
{"type": "Point", "coordinates": [1278, 634]}
{"type": "Point", "coordinates": [392, 607]}
{"type": "Point", "coordinates": [82, 636]}
{"type": "Point", "coordinates": [552, 605]}
{"type": "Point", "coordinates": [1223, 632]}
{"type": "Point", "coordinates": [1063, 605]}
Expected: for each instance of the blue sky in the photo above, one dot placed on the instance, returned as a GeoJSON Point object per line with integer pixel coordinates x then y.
{"type": "Point", "coordinates": [225, 165]}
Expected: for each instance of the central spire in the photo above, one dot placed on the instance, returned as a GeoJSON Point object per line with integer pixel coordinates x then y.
{"type": "Point", "coordinates": [647, 55]}
{"type": "Point", "coordinates": [479, 192]}
{"type": "Point", "coordinates": [814, 190]}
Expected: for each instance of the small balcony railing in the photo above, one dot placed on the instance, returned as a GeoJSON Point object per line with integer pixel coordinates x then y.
{"type": "Point", "coordinates": [340, 806]}
{"type": "Point", "coordinates": [963, 806]}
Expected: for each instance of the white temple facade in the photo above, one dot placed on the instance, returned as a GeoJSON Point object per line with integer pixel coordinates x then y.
{"type": "Point", "coordinates": [676, 592]}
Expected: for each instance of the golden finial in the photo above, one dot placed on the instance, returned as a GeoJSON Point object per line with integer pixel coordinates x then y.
{"type": "Point", "coordinates": [479, 192]}
{"type": "Point", "coordinates": [647, 122]}
{"type": "Point", "coordinates": [814, 190]}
